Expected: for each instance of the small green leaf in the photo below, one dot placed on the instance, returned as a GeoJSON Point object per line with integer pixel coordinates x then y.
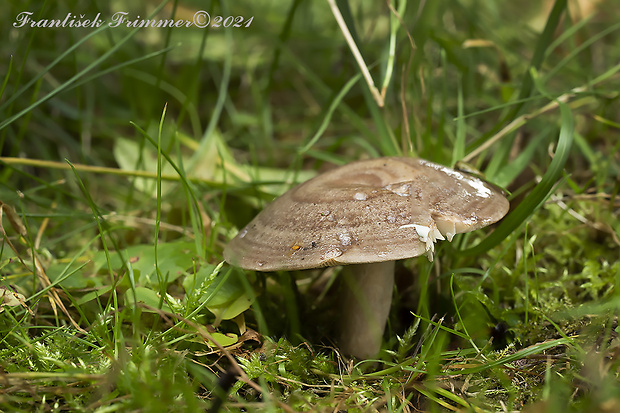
{"type": "Point", "coordinates": [232, 308]}
{"type": "Point", "coordinates": [224, 340]}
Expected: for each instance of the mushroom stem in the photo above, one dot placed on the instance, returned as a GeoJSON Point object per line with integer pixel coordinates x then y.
{"type": "Point", "coordinates": [365, 307]}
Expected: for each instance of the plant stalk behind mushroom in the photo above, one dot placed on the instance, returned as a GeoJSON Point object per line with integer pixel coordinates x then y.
{"type": "Point", "coordinates": [369, 213]}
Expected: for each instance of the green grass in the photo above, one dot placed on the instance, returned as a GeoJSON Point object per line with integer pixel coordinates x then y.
{"type": "Point", "coordinates": [130, 156]}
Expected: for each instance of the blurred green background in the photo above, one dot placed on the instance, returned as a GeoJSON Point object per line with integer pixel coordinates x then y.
{"type": "Point", "coordinates": [131, 155]}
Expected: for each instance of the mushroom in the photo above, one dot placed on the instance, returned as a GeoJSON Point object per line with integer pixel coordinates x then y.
{"type": "Point", "coordinates": [366, 215]}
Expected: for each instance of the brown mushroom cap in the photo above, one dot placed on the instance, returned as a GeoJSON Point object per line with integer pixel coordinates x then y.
{"type": "Point", "coordinates": [368, 211]}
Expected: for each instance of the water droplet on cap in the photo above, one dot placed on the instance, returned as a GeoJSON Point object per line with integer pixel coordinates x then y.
{"type": "Point", "coordinates": [399, 189]}
{"type": "Point", "coordinates": [331, 254]}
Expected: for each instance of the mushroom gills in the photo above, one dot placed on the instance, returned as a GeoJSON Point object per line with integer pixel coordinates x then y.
{"type": "Point", "coordinates": [428, 235]}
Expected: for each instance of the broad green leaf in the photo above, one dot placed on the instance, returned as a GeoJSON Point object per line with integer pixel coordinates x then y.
{"type": "Point", "coordinates": [146, 296]}
{"type": "Point", "coordinates": [93, 295]}
{"type": "Point", "coordinates": [175, 258]}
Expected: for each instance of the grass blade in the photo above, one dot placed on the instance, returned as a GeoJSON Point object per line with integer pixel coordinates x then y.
{"type": "Point", "coordinates": [540, 192]}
